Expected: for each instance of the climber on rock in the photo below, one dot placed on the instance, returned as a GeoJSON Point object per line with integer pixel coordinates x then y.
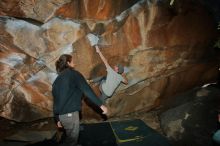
{"type": "Point", "coordinates": [108, 84]}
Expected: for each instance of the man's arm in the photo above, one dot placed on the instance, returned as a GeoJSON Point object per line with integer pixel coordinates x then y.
{"type": "Point", "coordinates": [125, 81]}
{"type": "Point", "coordinates": [86, 89]}
{"type": "Point", "coordinates": [101, 56]}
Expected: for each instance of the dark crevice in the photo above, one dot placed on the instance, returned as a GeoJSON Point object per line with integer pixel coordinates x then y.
{"type": "Point", "coordinates": [30, 20]}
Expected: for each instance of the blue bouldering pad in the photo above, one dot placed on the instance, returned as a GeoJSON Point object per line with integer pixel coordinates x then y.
{"type": "Point", "coordinates": [136, 133]}
{"type": "Point", "coordinates": [121, 133]}
{"type": "Point", "coordinates": [98, 134]}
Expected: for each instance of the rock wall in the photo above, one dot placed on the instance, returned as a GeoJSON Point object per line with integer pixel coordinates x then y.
{"type": "Point", "coordinates": [166, 49]}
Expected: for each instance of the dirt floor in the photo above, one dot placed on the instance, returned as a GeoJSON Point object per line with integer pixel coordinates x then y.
{"type": "Point", "coordinates": [9, 127]}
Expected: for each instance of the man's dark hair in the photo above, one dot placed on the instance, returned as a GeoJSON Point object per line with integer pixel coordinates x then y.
{"type": "Point", "coordinates": [61, 63]}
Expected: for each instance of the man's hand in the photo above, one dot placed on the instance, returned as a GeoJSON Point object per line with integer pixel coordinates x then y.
{"type": "Point", "coordinates": [89, 81]}
{"type": "Point", "coordinates": [104, 109]}
{"type": "Point", "coordinates": [97, 49]}
{"type": "Point", "coordinates": [59, 125]}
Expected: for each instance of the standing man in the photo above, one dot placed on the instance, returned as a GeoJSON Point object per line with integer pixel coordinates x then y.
{"type": "Point", "coordinates": [67, 90]}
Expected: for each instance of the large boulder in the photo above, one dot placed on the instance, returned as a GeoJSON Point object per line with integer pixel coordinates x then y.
{"type": "Point", "coordinates": [165, 50]}
{"type": "Point", "coordinates": [192, 118]}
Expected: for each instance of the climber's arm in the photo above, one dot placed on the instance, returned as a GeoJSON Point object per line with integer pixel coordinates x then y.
{"type": "Point", "coordinates": [101, 56]}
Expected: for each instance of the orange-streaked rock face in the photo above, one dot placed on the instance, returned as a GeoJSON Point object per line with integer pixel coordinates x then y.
{"type": "Point", "coordinates": [165, 50]}
{"type": "Point", "coordinates": [94, 9]}
{"type": "Point", "coordinates": [44, 10]}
